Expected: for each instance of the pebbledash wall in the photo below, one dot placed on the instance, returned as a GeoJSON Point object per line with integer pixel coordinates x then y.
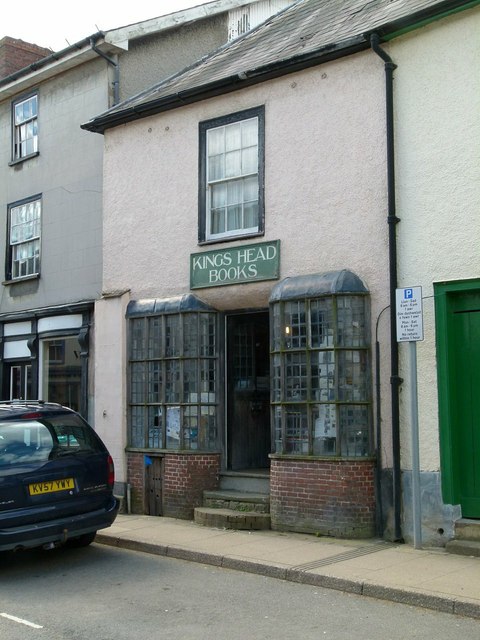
{"type": "Point", "coordinates": [322, 226]}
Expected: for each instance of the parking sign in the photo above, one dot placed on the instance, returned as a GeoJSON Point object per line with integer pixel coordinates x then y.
{"type": "Point", "coordinates": [409, 314]}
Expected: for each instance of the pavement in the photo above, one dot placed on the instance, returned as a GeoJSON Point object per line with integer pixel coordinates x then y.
{"type": "Point", "coordinates": [431, 578]}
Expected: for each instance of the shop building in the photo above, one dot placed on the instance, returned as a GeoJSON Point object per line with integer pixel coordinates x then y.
{"type": "Point", "coordinates": [250, 259]}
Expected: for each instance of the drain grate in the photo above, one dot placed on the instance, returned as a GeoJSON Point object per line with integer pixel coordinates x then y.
{"type": "Point", "coordinates": [347, 555]}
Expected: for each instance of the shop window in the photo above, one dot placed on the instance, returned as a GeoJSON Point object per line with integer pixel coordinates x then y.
{"type": "Point", "coordinates": [173, 376]}
{"type": "Point", "coordinates": [61, 372]}
{"type": "Point", "coordinates": [231, 180]}
{"type": "Point", "coordinates": [321, 398]}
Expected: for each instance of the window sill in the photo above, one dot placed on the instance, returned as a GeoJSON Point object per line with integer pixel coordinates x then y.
{"type": "Point", "coordinates": [246, 236]}
{"type": "Point", "coordinates": [35, 276]}
{"type": "Point", "coordinates": [24, 159]}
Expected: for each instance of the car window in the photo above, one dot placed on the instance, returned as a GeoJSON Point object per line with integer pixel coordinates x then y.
{"type": "Point", "coordinates": [24, 442]}
{"type": "Point", "coordinates": [30, 443]}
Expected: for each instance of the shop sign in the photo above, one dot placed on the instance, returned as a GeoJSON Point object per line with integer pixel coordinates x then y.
{"type": "Point", "coordinates": [248, 263]}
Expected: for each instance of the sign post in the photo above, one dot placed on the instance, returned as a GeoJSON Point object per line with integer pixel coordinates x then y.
{"type": "Point", "coordinates": [410, 329]}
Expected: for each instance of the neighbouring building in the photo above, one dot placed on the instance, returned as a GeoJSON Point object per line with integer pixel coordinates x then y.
{"type": "Point", "coordinates": [254, 239]}
{"type": "Point", "coordinates": [51, 186]}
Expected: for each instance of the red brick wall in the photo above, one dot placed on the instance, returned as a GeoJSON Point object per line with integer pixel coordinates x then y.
{"type": "Point", "coordinates": [328, 497]}
{"type": "Point", "coordinates": [16, 54]}
{"type": "Point", "coordinates": [185, 476]}
{"type": "Point", "coordinates": [136, 479]}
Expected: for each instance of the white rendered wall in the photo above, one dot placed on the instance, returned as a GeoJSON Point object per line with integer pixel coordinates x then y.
{"type": "Point", "coordinates": [110, 383]}
{"type": "Point", "coordinates": [437, 106]}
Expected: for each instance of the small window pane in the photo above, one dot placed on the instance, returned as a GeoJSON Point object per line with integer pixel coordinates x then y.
{"type": "Point", "coordinates": [321, 323]}
{"type": "Point", "coordinates": [249, 161]}
{"type": "Point", "coordinates": [154, 382]}
{"type": "Point", "coordinates": [216, 168]}
{"type": "Point", "coordinates": [172, 336]}
{"type": "Point", "coordinates": [234, 218]}
{"type": "Point", "coordinates": [295, 325]}
{"type": "Point", "coordinates": [207, 334]}
{"type": "Point", "coordinates": [154, 337]}
{"type": "Point", "coordinates": [155, 427]}
{"type": "Point", "coordinates": [219, 195]}
{"type": "Point", "coordinates": [355, 440]}
{"type": "Point", "coordinates": [250, 132]}
{"type": "Point", "coordinates": [352, 379]}
{"type": "Point", "coordinates": [296, 437]}
{"type": "Point", "coordinates": [190, 381]}
{"type": "Point", "coordinates": [137, 427]}
{"type": "Point", "coordinates": [233, 137]}
{"type": "Point", "coordinates": [351, 321]}
{"type": "Point", "coordinates": [324, 430]}
{"type": "Point", "coordinates": [250, 189]}
{"type": "Point", "coordinates": [137, 382]}
{"type": "Point", "coordinates": [216, 141]}
{"type": "Point", "coordinates": [233, 164]}
{"type": "Point", "coordinates": [137, 339]}
{"type": "Point", "coordinates": [172, 381]}
{"type": "Point", "coordinates": [218, 221]}
{"type": "Point", "coordinates": [323, 376]}
{"type": "Point", "coordinates": [296, 376]}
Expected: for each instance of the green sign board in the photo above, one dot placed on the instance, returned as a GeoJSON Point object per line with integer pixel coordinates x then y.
{"type": "Point", "coordinates": [248, 263]}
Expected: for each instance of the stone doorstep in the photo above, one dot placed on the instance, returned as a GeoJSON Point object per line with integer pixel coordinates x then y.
{"type": "Point", "coordinates": [464, 547]}
{"type": "Point", "coordinates": [231, 519]}
{"type": "Point", "coordinates": [466, 529]}
{"type": "Point", "coordinates": [237, 500]}
{"type": "Point", "coordinates": [467, 538]}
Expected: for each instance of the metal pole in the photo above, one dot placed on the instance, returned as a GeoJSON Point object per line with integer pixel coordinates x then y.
{"type": "Point", "coordinates": [416, 503]}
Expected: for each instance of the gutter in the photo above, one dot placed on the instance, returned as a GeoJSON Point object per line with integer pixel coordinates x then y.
{"type": "Point", "coordinates": [115, 65]}
{"type": "Point", "coordinates": [54, 57]}
{"type": "Point", "coordinates": [392, 220]}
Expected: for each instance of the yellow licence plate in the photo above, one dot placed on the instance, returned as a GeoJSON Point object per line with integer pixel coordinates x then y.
{"type": "Point", "coordinates": [36, 488]}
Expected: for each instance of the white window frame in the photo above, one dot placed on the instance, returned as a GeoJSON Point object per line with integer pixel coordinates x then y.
{"type": "Point", "coordinates": [248, 171]}
{"type": "Point", "coordinates": [25, 127]}
{"type": "Point", "coordinates": [24, 238]}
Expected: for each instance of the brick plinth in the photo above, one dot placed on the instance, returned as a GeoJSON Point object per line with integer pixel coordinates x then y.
{"type": "Point", "coordinates": [329, 497]}
{"type": "Point", "coordinates": [185, 476]}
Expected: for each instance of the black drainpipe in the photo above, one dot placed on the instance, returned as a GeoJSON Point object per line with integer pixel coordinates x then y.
{"type": "Point", "coordinates": [395, 380]}
{"type": "Point", "coordinates": [116, 81]}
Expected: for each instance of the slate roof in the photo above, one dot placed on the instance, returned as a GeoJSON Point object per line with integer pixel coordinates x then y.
{"type": "Point", "coordinates": [304, 34]}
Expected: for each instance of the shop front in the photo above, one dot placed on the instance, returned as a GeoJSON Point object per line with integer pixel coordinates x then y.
{"type": "Point", "coordinates": [45, 355]}
{"type": "Point", "coordinates": [283, 389]}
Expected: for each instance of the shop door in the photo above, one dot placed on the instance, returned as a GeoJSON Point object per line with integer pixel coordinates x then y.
{"type": "Point", "coordinates": [464, 396]}
{"type": "Point", "coordinates": [154, 486]}
{"type": "Point", "coordinates": [18, 381]}
{"type": "Point", "coordinates": [248, 391]}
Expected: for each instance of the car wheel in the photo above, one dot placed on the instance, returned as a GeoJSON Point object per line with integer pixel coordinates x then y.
{"type": "Point", "coordinates": [81, 541]}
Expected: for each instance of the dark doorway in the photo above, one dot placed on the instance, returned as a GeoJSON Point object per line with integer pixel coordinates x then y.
{"type": "Point", "coordinates": [17, 383]}
{"type": "Point", "coordinates": [248, 391]}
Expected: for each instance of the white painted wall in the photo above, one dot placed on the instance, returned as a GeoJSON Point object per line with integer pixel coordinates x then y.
{"type": "Point", "coordinates": [437, 103]}
{"type": "Point", "coordinates": [110, 383]}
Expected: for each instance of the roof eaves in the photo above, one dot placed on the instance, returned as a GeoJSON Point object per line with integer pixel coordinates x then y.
{"type": "Point", "coordinates": [227, 84]}
{"type": "Point", "coordinates": [52, 58]}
